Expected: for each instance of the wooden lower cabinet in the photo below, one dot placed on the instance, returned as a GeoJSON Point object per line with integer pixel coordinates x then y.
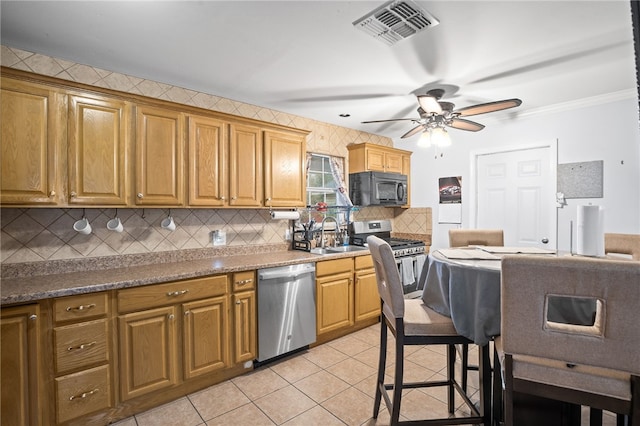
{"type": "Point", "coordinates": [346, 297]}
{"type": "Point", "coordinates": [334, 287]}
{"type": "Point", "coordinates": [205, 333]}
{"type": "Point", "coordinates": [367, 299]}
{"type": "Point", "coordinates": [148, 352]}
{"type": "Point", "coordinates": [244, 323]}
{"type": "Point", "coordinates": [20, 353]}
{"type": "Point", "coordinates": [82, 357]}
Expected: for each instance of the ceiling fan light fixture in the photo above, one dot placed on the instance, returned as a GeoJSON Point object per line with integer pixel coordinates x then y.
{"type": "Point", "coordinates": [436, 136]}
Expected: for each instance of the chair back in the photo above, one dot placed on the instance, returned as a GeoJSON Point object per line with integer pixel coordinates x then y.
{"type": "Point", "coordinates": [480, 237]}
{"type": "Point", "coordinates": [529, 285]}
{"type": "Point", "coordinates": [623, 244]}
{"type": "Point", "coordinates": [387, 277]}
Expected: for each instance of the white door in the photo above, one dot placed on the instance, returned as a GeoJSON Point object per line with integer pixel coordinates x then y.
{"type": "Point", "coordinates": [516, 192]}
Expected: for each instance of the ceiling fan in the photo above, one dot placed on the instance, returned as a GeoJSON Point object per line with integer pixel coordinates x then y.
{"type": "Point", "coordinates": [435, 113]}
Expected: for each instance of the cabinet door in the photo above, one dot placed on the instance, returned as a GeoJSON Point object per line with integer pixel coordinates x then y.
{"type": "Point", "coordinates": [205, 336]}
{"type": "Point", "coordinates": [244, 319]}
{"type": "Point", "coordinates": [19, 351]}
{"type": "Point", "coordinates": [367, 299]}
{"type": "Point", "coordinates": [32, 128]}
{"type": "Point", "coordinates": [207, 162]}
{"type": "Point", "coordinates": [284, 174]}
{"type": "Point", "coordinates": [148, 355]}
{"type": "Point", "coordinates": [245, 166]}
{"type": "Point", "coordinates": [335, 302]}
{"type": "Point", "coordinates": [375, 160]}
{"type": "Point", "coordinates": [393, 162]}
{"type": "Point", "coordinates": [97, 151]}
{"type": "Point", "coordinates": [159, 157]}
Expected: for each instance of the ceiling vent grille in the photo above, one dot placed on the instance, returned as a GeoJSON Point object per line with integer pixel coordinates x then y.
{"type": "Point", "coordinates": [395, 21]}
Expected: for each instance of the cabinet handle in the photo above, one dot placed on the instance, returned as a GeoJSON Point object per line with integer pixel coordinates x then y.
{"type": "Point", "coordinates": [52, 193]}
{"type": "Point", "coordinates": [243, 282]}
{"type": "Point", "coordinates": [140, 195]}
{"type": "Point", "coordinates": [81, 307]}
{"type": "Point", "coordinates": [186, 313]}
{"type": "Point", "coordinates": [82, 346]}
{"type": "Point", "coordinates": [238, 302]}
{"type": "Point", "coordinates": [33, 317]}
{"type": "Point", "coordinates": [177, 293]}
{"type": "Point", "coordinates": [171, 316]}
{"type": "Point", "coordinates": [223, 198]}
{"type": "Point", "coordinates": [73, 194]}
{"type": "Point", "coordinates": [83, 394]}
{"type": "Point", "coordinates": [234, 198]}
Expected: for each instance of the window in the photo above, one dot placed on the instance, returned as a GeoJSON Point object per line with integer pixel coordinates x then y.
{"type": "Point", "coordinates": [321, 186]}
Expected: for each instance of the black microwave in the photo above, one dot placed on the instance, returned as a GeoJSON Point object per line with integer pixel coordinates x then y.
{"type": "Point", "coordinates": [378, 189]}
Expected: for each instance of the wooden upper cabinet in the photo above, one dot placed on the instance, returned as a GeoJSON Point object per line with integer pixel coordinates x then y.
{"type": "Point", "coordinates": [159, 157]}
{"type": "Point", "coordinates": [207, 161]}
{"type": "Point", "coordinates": [370, 157]}
{"type": "Point", "coordinates": [245, 166]}
{"type": "Point", "coordinates": [285, 174]}
{"type": "Point", "coordinates": [98, 141]}
{"type": "Point", "coordinates": [32, 142]}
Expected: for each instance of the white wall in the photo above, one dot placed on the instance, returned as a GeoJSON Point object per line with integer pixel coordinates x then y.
{"type": "Point", "coordinates": [608, 132]}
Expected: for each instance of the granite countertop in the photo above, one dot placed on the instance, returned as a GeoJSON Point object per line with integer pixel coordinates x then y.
{"type": "Point", "coordinates": [57, 279]}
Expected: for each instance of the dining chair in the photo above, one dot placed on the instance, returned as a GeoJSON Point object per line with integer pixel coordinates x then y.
{"type": "Point", "coordinates": [413, 323]}
{"type": "Point", "coordinates": [480, 237]}
{"type": "Point", "coordinates": [596, 365]}
{"type": "Point", "coordinates": [464, 238]}
{"type": "Point", "coordinates": [628, 244]}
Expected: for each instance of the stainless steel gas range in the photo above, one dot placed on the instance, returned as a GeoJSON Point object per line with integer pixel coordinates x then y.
{"type": "Point", "coordinates": [409, 254]}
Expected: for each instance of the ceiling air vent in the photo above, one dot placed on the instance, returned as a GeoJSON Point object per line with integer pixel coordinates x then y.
{"type": "Point", "coordinates": [395, 21]}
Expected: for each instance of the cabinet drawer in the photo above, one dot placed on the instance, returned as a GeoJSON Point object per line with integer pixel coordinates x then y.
{"type": "Point", "coordinates": [83, 393]}
{"type": "Point", "coordinates": [137, 299]}
{"type": "Point", "coordinates": [337, 266]}
{"type": "Point", "coordinates": [80, 345]}
{"type": "Point", "coordinates": [244, 280]}
{"type": "Point", "coordinates": [363, 262]}
{"type": "Point", "coordinates": [81, 307]}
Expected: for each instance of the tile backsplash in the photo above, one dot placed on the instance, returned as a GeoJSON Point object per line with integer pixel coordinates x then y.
{"type": "Point", "coordinates": [42, 234]}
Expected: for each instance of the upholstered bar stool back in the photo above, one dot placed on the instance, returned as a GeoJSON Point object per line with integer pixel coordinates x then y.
{"type": "Point", "coordinates": [597, 365]}
{"type": "Point", "coordinates": [413, 323]}
{"type": "Point", "coordinates": [628, 244]}
{"type": "Point", "coordinates": [480, 237]}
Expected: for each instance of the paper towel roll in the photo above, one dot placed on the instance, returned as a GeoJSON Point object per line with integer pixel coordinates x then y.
{"type": "Point", "coordinates": [285, 215]}
{"type": "Point", "coordinates": [590, 234]}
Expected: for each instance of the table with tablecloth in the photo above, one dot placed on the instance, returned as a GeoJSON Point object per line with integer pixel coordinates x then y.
{"type": "Point", "coordinates": [468, 291]}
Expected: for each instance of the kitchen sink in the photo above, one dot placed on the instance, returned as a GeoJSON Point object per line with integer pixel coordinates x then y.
{"type": "Point", "coordinates": [339, 249]}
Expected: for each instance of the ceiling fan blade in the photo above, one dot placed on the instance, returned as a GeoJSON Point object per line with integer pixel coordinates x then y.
{"type": "Point", "coordinates": [413, 131]}
{"type": "Point", "coordinates": [429, 104]}
{"type": "Point", "coordinates": [393, 119]}
{"type": "Point", "coordinates": [462, 124]}
{"type": "Point", "coordinates": [488, 107]}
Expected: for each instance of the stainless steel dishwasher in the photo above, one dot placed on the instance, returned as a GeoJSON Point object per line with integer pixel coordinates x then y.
{"type": "Point", "coordinates": [286, 309]}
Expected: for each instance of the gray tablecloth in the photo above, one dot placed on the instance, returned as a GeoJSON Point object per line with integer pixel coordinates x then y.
{"type": "Point", "coordinates": [469, 294]}
{"type": "Point", "coordinates": [468, 291]}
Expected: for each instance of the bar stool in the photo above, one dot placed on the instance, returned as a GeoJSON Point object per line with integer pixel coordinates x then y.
{"type": "Point", "coordinates": [413, 323]}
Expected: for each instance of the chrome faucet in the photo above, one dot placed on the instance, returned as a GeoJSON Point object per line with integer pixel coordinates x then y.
{"type": "Point", "coordinates": [335, 230]}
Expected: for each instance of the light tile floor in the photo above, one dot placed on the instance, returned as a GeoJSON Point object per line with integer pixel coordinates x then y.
{"type": "Point", "coordinates": [331, 384]}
